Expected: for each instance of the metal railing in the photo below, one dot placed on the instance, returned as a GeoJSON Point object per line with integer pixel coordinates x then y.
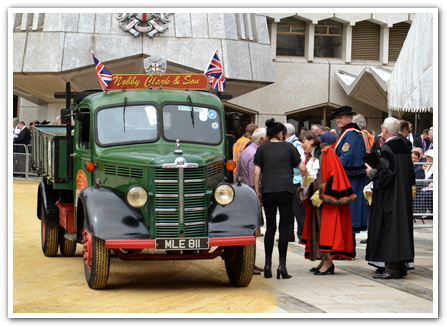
{"type": "Point", "coordinates": [423, 201]}
{"type": "Point", "coordinates": [22, 161]}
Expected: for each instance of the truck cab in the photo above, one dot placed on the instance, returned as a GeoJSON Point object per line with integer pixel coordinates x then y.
{"type": "Point", "coordinates": [144, 174]}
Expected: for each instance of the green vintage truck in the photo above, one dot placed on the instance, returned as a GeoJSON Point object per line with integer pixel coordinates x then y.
{"type": "Point", "coordinates": [143, 174]}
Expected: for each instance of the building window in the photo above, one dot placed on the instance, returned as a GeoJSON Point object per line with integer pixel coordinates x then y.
{"type": "Point", "coordinates": [365, 41]}
{"type": "Point", "coordinates": [290, 37]}
{"type": "Point", "coordinates": [398, 33]}
{"type": "Point", "coordinates": [328, 39]}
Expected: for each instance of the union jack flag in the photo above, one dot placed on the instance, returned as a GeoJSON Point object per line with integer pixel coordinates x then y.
{"type": "Point", "coordinates": [104, 76]}
{"type": "Point", "coordinates": [215, 75]}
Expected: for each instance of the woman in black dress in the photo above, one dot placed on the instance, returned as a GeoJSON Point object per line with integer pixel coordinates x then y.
{"type": "Point", "coordinates": [275, 161]}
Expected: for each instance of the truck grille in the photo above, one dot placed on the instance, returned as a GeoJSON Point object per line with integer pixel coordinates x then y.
{"type": "Point", "coordinates": [180, 203]}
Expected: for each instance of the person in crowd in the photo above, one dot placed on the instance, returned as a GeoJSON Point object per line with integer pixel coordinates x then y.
{"type": "Point", "coordinates": [334, 132]}
{"type": "Point", "coordinates": [328, 228]}
{"type": "Point", "coordinates": [298, 210]}
{"type": "Point", "coordinates": [303, 129]}
{"type": "Point", "coordinates": [23, 137]}
{"type": "Point", "coordinates": [246, 165]}
{"type": "Point", "coordinates": [15, 131]}
{"type": "Point", "coordinates": [390, 229]}
{"type": "Point", "coordinates": [275, 160]}
{"type": "Point", "coordinates": [416, 156]}
{"type": "Point", "coordinates": [428, 169]}
{"type": "Point", "coordinates": [411, 136]}
{"type": "Point", "coordinates": [15, 127]}
{"type": "Point", "coordinates": [316, 129]}
{"type": "Point", "coordinates": [404, 132]}
{"type": "Point", "coordinates": [241, 144]}
{"type": "Point", "coordinates": [368, 139]}
{"type": "Point", "coordinates": [350, 148]}
{"type": "Point", "coordinates": [423, 202]}
{"type": "Point", "coordinates": [430, 137]}
{"type": "Point", "coordinates": [423, 141]}
{"type": "Point", "coordinates": [326, 136]}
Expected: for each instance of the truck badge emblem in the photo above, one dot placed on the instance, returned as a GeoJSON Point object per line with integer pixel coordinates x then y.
{"type": "Point", "coordinates": [154, 65]}
{"type": "Point", "coordinates": [151, 23]}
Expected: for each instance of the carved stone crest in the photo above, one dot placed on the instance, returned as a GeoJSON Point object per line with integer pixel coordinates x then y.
{"type": "Point", "coordinates": [154, 65]}
{"type": "Point", "coordinates": [151, 23]}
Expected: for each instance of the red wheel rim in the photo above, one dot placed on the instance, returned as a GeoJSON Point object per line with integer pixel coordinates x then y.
{"type": "Point", "coordinates": [87, 248]}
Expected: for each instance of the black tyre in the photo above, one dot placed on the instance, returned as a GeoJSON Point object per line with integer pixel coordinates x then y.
{"type": "Point", "coordinates": [49, 236]}
{"type": "Point", "coordinates": [67, 247]}
{"type": "Point", "coordinates": [96, 260]}
{"type": "Point", "coordinates": [239, 263]}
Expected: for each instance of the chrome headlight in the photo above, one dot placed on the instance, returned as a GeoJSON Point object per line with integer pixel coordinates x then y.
{"type": "Point", "coordinates": [224, 194]}
{"type": "Point", "coordinates": [136, 196]}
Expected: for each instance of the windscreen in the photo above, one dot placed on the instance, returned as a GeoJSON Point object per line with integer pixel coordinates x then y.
{"type": "Point", "coordinates": [192, 124]}
{"type": "Point", "coordinates": [129, 124]}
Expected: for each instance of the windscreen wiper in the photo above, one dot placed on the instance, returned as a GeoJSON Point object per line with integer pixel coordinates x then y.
{"type": "Point", "coordinates": [192, 110]}
{"type": "Point", "coordinates": [124, 113]}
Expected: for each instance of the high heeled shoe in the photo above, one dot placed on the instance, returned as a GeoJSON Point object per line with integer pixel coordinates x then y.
{"type": "Point", "coordinates": [330, 271]}
{"type": "Point", "coordinates": [314, 269]}
{"type": "Point", "coordinates": [267, 271]}
{"type": "Point", "coordinates": [268, 268]}
{"type": "Point", "coordinates": [282, 270]}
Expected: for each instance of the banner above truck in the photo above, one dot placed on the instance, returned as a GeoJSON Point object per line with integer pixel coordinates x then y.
{"type": "Point", "coordinates": [165, 81]}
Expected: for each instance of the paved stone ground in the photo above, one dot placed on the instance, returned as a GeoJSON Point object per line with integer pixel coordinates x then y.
{"type": "Point", "coordinates": [352, 291]}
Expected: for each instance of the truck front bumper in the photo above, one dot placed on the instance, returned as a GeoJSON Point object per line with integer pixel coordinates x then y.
{"type": "Point", "coordinates": [150, 243]}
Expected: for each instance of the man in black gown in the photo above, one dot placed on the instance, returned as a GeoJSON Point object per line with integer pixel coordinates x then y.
{"type": "Point", "coordinates": [390, 230]}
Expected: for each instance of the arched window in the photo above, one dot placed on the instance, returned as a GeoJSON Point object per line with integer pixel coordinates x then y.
{"type": "Point", "coordinates": [328, 39]}
{"type": "Point", "coordinates": [290, 37]}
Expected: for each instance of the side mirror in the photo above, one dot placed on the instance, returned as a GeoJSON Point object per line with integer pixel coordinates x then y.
{"type": "Point", "coordinates": [66, 116]}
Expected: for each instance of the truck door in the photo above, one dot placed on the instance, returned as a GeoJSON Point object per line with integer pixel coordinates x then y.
{"type": "Point", "coordinates": [82, 151]}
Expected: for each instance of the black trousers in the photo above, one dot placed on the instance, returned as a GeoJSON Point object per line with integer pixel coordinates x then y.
{"type": "Point", "coordinates": [299, 214]}
{"type": "Point", "coordinates": [272, 202]}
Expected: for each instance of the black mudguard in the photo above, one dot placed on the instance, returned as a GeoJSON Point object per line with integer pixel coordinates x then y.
{"type": "Point", "coordinates": [240, 218]}
{"type": "Point", "coordinates": [108, 216]}
{"type": "Point", "coordinates": [46, 199]}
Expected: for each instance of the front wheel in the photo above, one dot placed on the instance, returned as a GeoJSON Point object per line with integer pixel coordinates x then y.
{"type": "Point", "coordinates": [239, 263]}
{"type": "Point", "coordinates": [96, 260]}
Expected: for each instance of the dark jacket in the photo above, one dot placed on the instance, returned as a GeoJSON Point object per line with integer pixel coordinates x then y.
{"type": "Point", "coordinates": [419, 143]}
{"type": "Point", "coordinates": [24, 136]}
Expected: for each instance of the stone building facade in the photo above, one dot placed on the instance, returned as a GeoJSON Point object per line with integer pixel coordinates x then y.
{"type": "Point", "coordinates": [294, 67]}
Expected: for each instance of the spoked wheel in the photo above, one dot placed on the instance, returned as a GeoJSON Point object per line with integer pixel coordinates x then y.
{"type": "Point", "coordinates": [66, 246]}
{"type": "Point", "coordinates": [96, 260]}
{"type": "Point", "coordinates": [49, 236]}
{"type": "Point", "coordinates": [239, 263]}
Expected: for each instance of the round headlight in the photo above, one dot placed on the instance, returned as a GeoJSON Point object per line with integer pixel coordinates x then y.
{"type": "Point", "coordinates": [224, 194]}
{"type": "Point", "coordinates": [136, 196]}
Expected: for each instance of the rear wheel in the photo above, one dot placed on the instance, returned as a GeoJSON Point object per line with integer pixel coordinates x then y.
{"type": "Point", "coordinates": [96, 260]}
{"type": "Point", "coordinates": [239, 263]}
{"type": "Point", "coordinates": [66, 246]}
{"type": "Point", "coordinates": [49, 236]}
